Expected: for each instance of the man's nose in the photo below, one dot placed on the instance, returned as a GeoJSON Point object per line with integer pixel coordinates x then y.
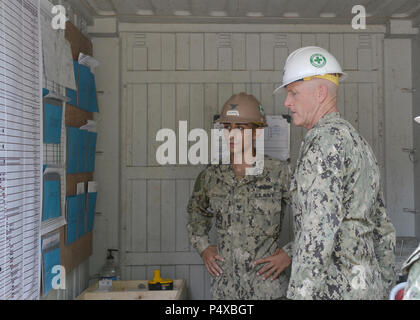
{"type": "Point", "coordinates": [235, 134]}
{"type": "Point", "coordinates": [287, 102]}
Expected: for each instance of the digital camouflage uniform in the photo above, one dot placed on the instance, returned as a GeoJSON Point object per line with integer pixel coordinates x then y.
{"type": "Point", "coordinates": [344, 242]}
{"type": "Point", "coordinates": [248, 218]}
{"type": "Point", "coordinates": [412, 267]}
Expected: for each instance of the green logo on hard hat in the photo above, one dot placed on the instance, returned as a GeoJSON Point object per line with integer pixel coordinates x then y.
{"type": "Point", "coordinates": [318, 60]}
{"type": "Point", "coordinates": [261, 109]}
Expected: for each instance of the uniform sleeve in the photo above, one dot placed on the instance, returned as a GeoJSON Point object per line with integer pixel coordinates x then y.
{"type": "Point", "coordinates": [412, 267]}
{"type": "Point", "coordinates": [285, 182]}
{"type": "Point", "coordinates": [320, 190]}
{"type": "Point", "coordinates": [199, 218]}
{"type": "Point", "coordinates": [286, 199]}
{"type": "Point", "coordinates": [384, 244]}
{"type": "Point", "coordinates": [288, 248]}
{"type": "Point", "coordinates": [412, 290]}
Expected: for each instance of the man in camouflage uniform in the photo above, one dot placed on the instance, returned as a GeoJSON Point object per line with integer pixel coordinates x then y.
{"type": "Point", "coordinates": [412, 267]}
{"type": "Point", "coordinates": [248, 212]}
{"type": "Point", "coordinates": [344, 242]}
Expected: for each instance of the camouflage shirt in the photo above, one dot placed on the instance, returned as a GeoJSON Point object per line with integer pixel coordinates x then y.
{"type": "Point", "coordinates": [412, 267]}
{"type": "Point", "coordinates": [344, 241]}
{"type": "Point", "coordinates": [248, 218]}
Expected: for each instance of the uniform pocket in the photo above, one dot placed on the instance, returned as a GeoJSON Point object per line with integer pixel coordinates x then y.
{"type": "Point", "coordinates": [265, 212]}
{"type": "Point", "coordinates": [216, 204]}
{"type": "Point", "coordinates": [220, 208]}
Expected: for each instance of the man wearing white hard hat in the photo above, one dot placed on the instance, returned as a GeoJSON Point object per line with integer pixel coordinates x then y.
{"type": "Point", "coordinates": [344, 242]}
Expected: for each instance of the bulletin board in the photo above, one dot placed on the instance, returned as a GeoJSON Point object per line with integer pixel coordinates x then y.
{"type": "Point", "coordinates": [75, 253]}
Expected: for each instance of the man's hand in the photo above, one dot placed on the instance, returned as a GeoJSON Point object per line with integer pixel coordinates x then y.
{"type": "Point", "coordinates": [276, 263]}
{"type": "Point", "coordinates": [210, 256]}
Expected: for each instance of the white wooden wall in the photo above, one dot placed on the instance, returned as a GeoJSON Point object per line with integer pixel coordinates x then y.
{"type": "Point", "coordinates": [399, 134]}
{"type": "Point", "coordinates": [167, 76]}
{"type": "Point", "coordinates": [416, 131]}
{"type": "Point", "coordinates": [107, 165]}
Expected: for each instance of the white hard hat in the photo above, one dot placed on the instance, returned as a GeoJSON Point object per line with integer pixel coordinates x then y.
{"type": "Point", "coordinates": [307, 62]}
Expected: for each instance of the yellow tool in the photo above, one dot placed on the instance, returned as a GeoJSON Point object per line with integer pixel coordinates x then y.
{"type": "Point", "coordinates": [160, 284]}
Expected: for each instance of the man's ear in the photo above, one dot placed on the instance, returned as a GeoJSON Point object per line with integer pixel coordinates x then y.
{"type": "Point", "coordinates": [322, 93]}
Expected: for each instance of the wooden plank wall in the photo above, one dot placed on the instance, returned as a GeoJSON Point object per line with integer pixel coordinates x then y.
{"type": "Point", "coordinates": [170, 76]}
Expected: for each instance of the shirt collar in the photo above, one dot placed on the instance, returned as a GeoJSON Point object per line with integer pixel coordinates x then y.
{"type": "Point", "coordinates": [229, 175]}
{"type": "Point", "coordinates": [326, 118]}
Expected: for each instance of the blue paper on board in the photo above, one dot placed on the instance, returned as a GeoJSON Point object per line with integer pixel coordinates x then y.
{"type": "Point", "coordinates": [92, 137]}
{"type": "Point", "coordinates": [83, 144]}
{"type": "Point", "coordinates": [45, 92]}
{"type": "Point", "coordinates": [76, 217]}
{"type": "Point", "coordinates": [81, 216]}
{"type": "Point", "coordinates": [52, 123]}
{"type": "Point", "coordinates": [72, 94]}
{"type": "Point", "coordinates": [50, 259]}
{"type": "Point", "coordinates": [51, 195]}
{"type": "Point", "coordinates": [85, 82]}
{"type": "Point", "coordinates": [73, 207]}
{"type": "Point", "coordinates": [71, 232]}
{"type": "Point", "coordinates": [91, 210]}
